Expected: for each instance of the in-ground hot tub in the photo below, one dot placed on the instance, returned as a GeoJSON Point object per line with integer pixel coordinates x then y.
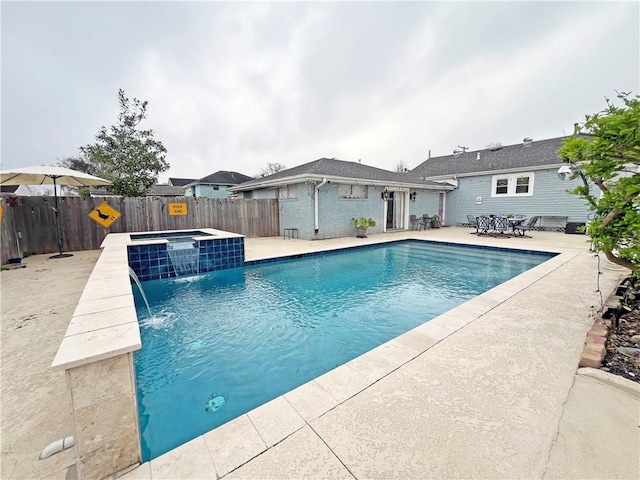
{"type": "Point", "coordinates": [97, 349]}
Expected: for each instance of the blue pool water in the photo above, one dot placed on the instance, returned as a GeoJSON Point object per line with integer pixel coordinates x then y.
{"type": "Point", "coordinates": [226, 342]}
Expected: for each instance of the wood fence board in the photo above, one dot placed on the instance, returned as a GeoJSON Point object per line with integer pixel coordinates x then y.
{"type": "Point", "coordinates": [34, 218]}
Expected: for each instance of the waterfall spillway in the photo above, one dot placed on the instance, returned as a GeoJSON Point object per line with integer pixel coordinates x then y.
{"type": "Point", "coordinates": [184, 256]}
{"type": "Point", "coordinates": [136, 280]}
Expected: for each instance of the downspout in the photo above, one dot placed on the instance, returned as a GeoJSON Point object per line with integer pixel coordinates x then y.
{"type": "Point", "coordinates": [316, 203]}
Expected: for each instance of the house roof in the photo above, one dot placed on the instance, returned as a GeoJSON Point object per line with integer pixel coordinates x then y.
{"type": "Point", "coordinates": [222, 177]}
{"type": "Point", "coordinates": [539, 153]}
{"type": "Point", "coordinates": [8, 188]}
{"type": "Point", "coordinates": [336, 169]}
{"type": "Point", "coordinates": [180, 182]}
{"type": "Point", "coordinates": [165, 191]}
{"type": "Point", "coordinates": [154, 191]}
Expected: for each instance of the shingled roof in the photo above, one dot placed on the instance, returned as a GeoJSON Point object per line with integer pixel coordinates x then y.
{"type": "Point", "coordinates": [330, 167]}
{"type": "Point", "coordinates": [222, 177]}
{"type": "Point", "coordinates": [166, 191]}
{"type": "Point", "coordinates": [180, 182]}
{"type": "Point", "coordinates": [537, 154]}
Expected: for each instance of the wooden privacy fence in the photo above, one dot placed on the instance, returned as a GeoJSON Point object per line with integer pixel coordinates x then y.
{"type": "Point", "coordinates": [28, 223]}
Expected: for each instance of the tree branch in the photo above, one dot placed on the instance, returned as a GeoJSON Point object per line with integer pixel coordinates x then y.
{"type": "Point", "coordinates": [614, 211]}
{"type": "Point", "coordinates": [619, 261]}
{"type": "Point", "coordinates": [587, 194]}
{"type": "Point", "coordinates": [601, 185]}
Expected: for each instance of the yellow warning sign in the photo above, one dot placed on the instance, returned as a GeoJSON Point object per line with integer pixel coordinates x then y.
{"type": "Point", "coordinates": [177, 209]}
{"type": "Point", "coordinates": [104, 214]}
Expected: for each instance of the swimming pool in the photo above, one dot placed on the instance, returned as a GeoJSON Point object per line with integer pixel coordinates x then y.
{"type": "Point", "coordinates": [226, 342]}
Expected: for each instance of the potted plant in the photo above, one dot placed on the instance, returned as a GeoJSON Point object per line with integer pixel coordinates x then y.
{"type": "Point", "coordinates": [435, 221]}
{"type": "Point", "coordinates": [361, 225]}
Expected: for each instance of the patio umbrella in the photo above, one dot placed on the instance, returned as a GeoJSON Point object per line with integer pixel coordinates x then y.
{"type": "Point", "coordinates": [45, 175]}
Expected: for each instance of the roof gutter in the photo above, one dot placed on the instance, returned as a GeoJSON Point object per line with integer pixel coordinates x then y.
{"type": "Point", "coordinates": [312, 178]}
{"type": "Point", "coordinates": [316, 204]}
{"type": "Point", "coordinates": [449, 176]}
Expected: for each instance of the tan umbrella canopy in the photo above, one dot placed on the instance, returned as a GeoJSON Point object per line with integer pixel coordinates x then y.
{"type": "Point", "coordinates": [46, 175]}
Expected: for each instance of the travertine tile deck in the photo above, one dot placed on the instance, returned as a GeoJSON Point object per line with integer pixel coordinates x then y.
{"type": "Point", "coordinates": [475, 392]}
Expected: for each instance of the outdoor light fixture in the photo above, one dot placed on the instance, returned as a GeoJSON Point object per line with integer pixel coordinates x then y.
{"type": "Point", "coordinates": [385, 195]}
{"type": "Point", "coordinates": [413, 196]}
{"type": "Point", "coordinates": [568, 172]}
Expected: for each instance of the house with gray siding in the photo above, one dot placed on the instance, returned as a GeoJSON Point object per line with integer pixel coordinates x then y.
{"type": "Point", "coordinates": [514, 179]}
{"type": "Point", "coordinates": [214, 185]}
{"type": "Point", "coordinates": [320, 198]}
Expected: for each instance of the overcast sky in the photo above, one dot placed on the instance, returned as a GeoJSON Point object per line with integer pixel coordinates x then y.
{"type": "Point", "coordinates": [232, 86]}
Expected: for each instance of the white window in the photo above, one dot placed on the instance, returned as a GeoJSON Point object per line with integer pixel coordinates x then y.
{"type": "Point", "coordinates": [512, 185]}
{"type": "Point", "coordinates": [352, 191]}
{"type": "Point", "coordinates": [288, 192]}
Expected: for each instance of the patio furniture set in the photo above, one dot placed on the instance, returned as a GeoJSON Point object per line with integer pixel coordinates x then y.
{"type": "Point", "coordinates": [424, 222]}
{"type": "Point", "coordinates": [502, 225]}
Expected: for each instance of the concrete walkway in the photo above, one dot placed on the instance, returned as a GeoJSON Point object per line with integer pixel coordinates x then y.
{"type": "Point", "coordinates": [498, 398]}
{"type": "Point", "coordinates": [37, 304]}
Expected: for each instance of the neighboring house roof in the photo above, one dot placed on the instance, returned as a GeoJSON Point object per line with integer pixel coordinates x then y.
{"type": "Point", "coordinates": [166, 191]}
{"type": "Point", "coordinates": [8, 188]}
{"type": "Point", "coordinates": [154, 191]}
{"type": "Point", "coordinates": [538, 154]}
{"type": "Point", "coordinates": [336, 170]}
{"type": "Point", "coordinates": [101, 192]}
{"type": "Point", "coordinates": [180, 182]}
{"type": "Point", "coordinates": [221, 177]}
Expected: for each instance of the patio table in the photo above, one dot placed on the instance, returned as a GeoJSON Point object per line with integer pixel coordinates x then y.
{"type": "Point", "coordinates": [515, 222]}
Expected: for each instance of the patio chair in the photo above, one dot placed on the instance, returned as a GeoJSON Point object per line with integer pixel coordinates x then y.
{"type": "Point", "coordinates": [416, 224]}
{"type": "Point", "coordinates": [426, 221]}
{"type": "Point", "coordinates": [500, 224]}
{"type": "Point", "coordinates": [483, 225]}
{"type": "Point", "coordinates": [473, 223]}
{"type": "Point", "coordinates": [520, 230]}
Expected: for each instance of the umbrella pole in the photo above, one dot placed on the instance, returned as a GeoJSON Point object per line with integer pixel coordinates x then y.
{"type": "Point", "coordinates": [58, 236]}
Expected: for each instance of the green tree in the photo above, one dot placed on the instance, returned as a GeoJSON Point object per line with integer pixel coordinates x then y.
{"type": "Point", "coordinates": [125, 154]}
{"type": "Point", "coordinates": [80, 163]}
{"type": "Point", "coordinates": [608, 157]}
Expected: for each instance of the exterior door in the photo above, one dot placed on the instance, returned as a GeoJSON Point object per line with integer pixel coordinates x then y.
{"type": "Point", "coordinates": [390, 212]}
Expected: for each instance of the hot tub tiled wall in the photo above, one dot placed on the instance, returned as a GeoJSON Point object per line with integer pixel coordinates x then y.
{"type": "Point", "coordinates": [152, 261]}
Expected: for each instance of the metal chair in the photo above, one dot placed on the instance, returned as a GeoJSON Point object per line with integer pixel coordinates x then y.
{"type": "Point", "coordinates": [500, 225]}
{"type": "Point", "coordinates": [416, 224]}
{"type": "Point", "coordinates": [426, 221]}
{"type": "Point", "coordinates": [520, 230]}
{"type": "Point", "coordinates": [473, 223]}
{"type": "Point", "coordinates": [484, 224]}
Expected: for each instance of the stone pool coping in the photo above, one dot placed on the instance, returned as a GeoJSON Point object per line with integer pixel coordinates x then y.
{"type": "Point", "coordinates": [104, 324]}
{"type": "Point", "coordinates": [242, 439]}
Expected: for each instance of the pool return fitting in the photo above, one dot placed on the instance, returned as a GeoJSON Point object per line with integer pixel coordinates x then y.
{"type": "Point", "coordinates": [57, 447]}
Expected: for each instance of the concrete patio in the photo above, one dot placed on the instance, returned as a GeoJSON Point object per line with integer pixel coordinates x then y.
{"type": "Point", "coordinates": [497, 396]}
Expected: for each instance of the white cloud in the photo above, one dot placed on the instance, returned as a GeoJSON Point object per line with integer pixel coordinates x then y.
{"type": "Point", "coordinates": [236, 85]}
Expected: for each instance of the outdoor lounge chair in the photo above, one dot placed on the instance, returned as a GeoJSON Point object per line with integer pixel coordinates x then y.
{"type": "Point", "coordinates": [520, 230]}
